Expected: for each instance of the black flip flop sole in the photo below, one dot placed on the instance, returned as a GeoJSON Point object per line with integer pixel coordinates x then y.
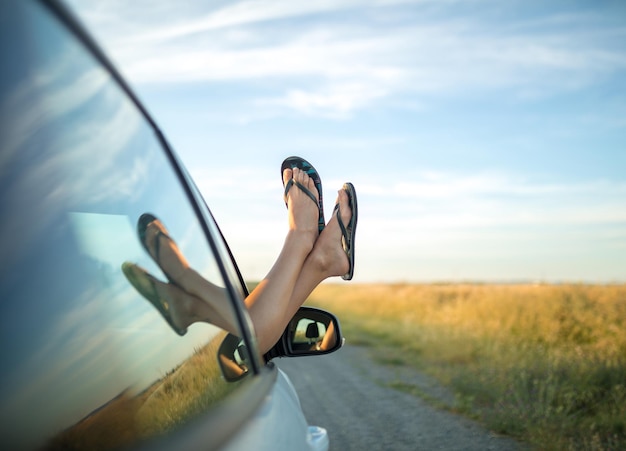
{"type": "Point", "coordinates": [349, 187]}
{"type": "Point", "coordinates": [302, 164]}
{"type": "Point", "coordinates": [142, 225]}
{"type": "Point", "coordinates": [134, 274]}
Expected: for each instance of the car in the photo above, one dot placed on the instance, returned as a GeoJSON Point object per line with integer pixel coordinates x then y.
{"type": "Point", "coordinates": [91, 358]}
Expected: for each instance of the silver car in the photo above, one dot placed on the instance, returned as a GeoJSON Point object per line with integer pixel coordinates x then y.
{"type": "Point", "coordinates": [90, 359]}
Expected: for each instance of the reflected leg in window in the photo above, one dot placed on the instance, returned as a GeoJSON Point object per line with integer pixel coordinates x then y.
{"type": "Point", "coordinates": [179, 308]}
{"type": "Point", "coordinates": [162, 248]}
{"type": "Point", "coordinates": [165, 252]}
{"type": "Point", "coordinates": [310, 255]}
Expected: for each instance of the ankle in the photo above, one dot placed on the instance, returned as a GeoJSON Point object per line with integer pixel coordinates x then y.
{"type": "Point", "coordinates": [302, 240]}
{"type": "Point", "coordinates": [322, 260]}
{"type": "Point", "coordinates": [328, 257]}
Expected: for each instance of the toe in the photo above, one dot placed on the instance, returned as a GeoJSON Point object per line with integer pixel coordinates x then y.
{"type": "Point", "coordinates": [298, 175]}
{"type": "Point", "coordinates": [311, 186]}
{"type": "Point", "coordinates": [287, 175]}
{"type": "Point", "coordinates": [344, 205]}
{"type": "Point", "coordinates": [308, 182]}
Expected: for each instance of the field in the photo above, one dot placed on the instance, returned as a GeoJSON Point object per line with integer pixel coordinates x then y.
{"type": "Point", "coordinates": [543, 363]}
{"type": "Point", "coordinates": [178, 396]}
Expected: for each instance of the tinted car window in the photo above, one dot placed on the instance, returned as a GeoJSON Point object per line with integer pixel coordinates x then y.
{"type": "Point", "coordinates": [88, 358]}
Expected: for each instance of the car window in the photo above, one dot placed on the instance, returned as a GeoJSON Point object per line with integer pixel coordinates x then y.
{"type": "Point", "coordinates": [95, 228]}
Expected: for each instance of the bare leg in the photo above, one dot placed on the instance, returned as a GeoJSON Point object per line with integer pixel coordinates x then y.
{"type": "Point", "coordinates": [271, 299]}
{"type": "Point", "coordinates": [327, 259]}
{"type": "Point", "coordinates": [306, 259]}
{"type": "Point", "coordinates": [178, 307]}
{"type": "Point", "coordinates": [171, 260]}
{"type": "Point", "coordinates": [202, 300]}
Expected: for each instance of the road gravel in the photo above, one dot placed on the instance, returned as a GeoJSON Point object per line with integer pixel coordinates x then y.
{"type": "Point", "coordinates": [350, 395]}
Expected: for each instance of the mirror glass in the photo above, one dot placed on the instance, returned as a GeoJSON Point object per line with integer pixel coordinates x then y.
{"type": "Point", "coordinates": [313, 331]}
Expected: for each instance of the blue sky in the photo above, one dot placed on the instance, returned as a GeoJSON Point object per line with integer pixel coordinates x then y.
{"type": "Point", "coordinates": [486, 139]}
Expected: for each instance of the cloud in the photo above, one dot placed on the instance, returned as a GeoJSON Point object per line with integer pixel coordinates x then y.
{"type": "Point", "coordinates": [442, 213]}
{"type": "Point", "coordinates": [444, 185]}
{"type": "Point", "coordinates": [334, 101]}
{"type": "Point", "coordinates": [164, 20]}
{"type": "Point", "coordinates": [419, 199]}
{"type": "Point", "coordinates": [318, 62]}
{"type": "Point", "coordinates": [486, 70]}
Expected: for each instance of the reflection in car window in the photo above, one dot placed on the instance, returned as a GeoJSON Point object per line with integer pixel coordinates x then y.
{"type": "Point", "coordinates": [92, 353]}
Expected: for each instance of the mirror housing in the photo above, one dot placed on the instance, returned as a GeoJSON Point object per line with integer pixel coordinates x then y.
{"type": "Point", "coordinates": [233, 357]}
{"type": "Point", "coordinates": [311, 331]}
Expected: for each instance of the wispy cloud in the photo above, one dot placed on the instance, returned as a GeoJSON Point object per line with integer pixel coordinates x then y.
{"type": "Point", "coordinates": [511, 110]}
{"type": "Point", "coordinates": [446, 200]}
{"type": "Point", "coordinates": [322, 63]}
{"type": "Point", "coordinates": [438, 185]}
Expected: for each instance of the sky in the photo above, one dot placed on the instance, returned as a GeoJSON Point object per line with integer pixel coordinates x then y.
{"type": "Point", "coordinates": [486, 139]}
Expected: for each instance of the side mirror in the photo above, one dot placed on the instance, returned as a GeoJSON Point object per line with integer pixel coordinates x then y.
{"type": "Point", "coordinates": [311, 331]}
{"type": "Point", "coordinates": [233, 358]}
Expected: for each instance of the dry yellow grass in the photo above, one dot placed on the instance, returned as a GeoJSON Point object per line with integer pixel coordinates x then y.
{"type": "Point", "coordinates": [545, 363]}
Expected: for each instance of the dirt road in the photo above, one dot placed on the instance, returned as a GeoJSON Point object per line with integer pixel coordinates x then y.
{"type": "Point", "coordinates": [349, 395]}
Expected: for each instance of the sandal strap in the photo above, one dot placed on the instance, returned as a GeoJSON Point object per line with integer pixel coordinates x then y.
{"type": "Point", "coordinates": [157, 253]}
{"type": "Point", "coordinates": [345, 236]}
{"type": "Point", "coordinates": [306, 191]}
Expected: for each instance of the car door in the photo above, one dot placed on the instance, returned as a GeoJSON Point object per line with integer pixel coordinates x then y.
{"type": "Point", "coordinates": [93, 356]}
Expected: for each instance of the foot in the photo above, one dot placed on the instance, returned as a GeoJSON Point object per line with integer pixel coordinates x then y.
{"type": "Point", "coordinates": [303, 211]}
{"type": "Point", "coordinates": [328, 254]}
{"type": "Point", "coordinates": [164, 251]}
{"type": "Point", "coordinates": [175, 305]}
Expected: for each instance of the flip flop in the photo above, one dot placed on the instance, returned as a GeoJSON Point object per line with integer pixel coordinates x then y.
{"type": "Point", "coordinates": [142, 226]}
{"type": "Point", "coordinates": [300, 163]}
{"type": "Point", "coordinates": [145, 284]}
{"type": "Point", "coordinates": [348, 232]}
